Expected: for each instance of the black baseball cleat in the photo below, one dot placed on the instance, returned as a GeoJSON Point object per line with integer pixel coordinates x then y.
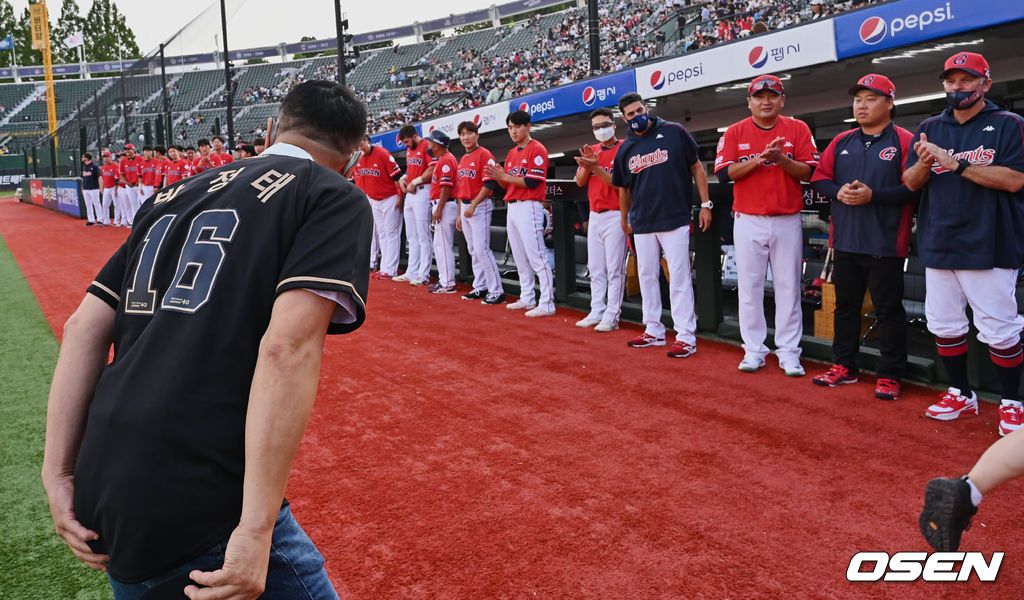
{"type": "Point", "coordinates": [475, 295]}
{"type": "Point", "coordinates": [494, 299]}
{"type": "Point", "coordinates": [947, 512]}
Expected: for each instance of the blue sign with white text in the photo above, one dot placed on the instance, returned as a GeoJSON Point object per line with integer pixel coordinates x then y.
{"type": "Point", "coordinates": [577, 97]}
{"type": "Point", "coordinates": [913, 21]}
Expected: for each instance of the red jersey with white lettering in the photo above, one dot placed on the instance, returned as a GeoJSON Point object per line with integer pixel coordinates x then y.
{"type": "Point", "coordinates": [471, 173]}
{"type": "Point", "coordinates": [110, 173]}
{"type": "Point", "coordinates": [188, 169]}
{"type": "Point", "coordinates": [225, 158]}
{"type": "Point", "coordinates": [418, 160]}
{"type": "Point", "coordinates": [375, 174]}
{"type": "Point", "coordinates": [148, 169]}
{"type": "Point", "coordinates": [158, 171]}
{"type": "Point", "coordinates": [174, 170]}
{"type": "Point", "coordinates": [768, 190]}
{"type": "Point", "coordinates": [603, 197]}
{"type": "Point", "coordinates": [132, 169]}
{"type": "Point", "coordinates": [205, 164]}
{"type": "Point", "coordinates": [530, 162]}
{"type": "Point", "coordinates": [445, 175]}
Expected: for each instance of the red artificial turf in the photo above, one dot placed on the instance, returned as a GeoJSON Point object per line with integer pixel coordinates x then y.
{"type": "Point", "coordinates": [464, 451]}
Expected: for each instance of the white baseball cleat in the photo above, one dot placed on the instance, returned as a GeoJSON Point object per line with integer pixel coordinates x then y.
{"type": "Point", "coordinates": [540, 312]}
{"type": "Point", "coordinates": [520, 305]}
{"type": "Point", "coordinates": [750, 364]}
{"type": "Point", "coordinates": [606, 326]}
{"type": "Point", "coordinates": [588, 321]}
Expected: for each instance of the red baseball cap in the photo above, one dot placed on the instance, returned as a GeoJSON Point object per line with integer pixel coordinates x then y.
{"type": "Point", "coordinates": [107, 153]}
{"type": "Point", "coordinates": [129, 146]}
{"type": "Point", "coordinates": [766, 82]}
{"type": "Point", "coordinates": [879, 84]}
{"type": "Point", "coordinates": [971, 62]}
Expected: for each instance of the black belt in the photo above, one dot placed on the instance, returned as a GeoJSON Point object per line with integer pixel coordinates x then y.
{"type": "Point", "coordinates": [513, 201]}
{"type": "Point", "coordinates": [464, 201]}
{"type": "Point", "coordinates": [602, 211]}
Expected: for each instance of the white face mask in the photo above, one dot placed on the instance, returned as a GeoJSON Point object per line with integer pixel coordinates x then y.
{"type": "Point", "coordinates": [605, 133]}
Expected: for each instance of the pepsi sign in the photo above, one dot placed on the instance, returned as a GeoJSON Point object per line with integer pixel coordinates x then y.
{"type": "Point", "coordinates": [577, 97]}
{"type": "Point", "coordinates": [912, 21]}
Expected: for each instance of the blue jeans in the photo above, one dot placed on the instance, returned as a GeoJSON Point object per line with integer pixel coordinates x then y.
{"type": "Point", "coordinates": [296, 567]}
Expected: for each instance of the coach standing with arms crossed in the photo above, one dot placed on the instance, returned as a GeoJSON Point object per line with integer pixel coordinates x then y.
{"type": "Point", "coordinates": [655, 170]}
{"type": "Point", "coordinates": [970, 233]}
{"type": "Point", "coordinates": [861, 173]}
{"type": "Point", "coordinates": [767, 156]}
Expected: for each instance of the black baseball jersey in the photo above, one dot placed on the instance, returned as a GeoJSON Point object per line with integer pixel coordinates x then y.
{"type": "Point", "coordinates": [90, 176]}
{"type": "Point", "coordinates": [159, 475]}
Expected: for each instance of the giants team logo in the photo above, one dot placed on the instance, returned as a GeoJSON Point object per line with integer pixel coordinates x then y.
{"type": "Point", "coordinates": [640, 162]}
{"type": "Point", "coordinates": [979, 156]}
{"type": "Point", "coordinates": [657, 80]}
{"type": "Point", "coordinates": [758, 57]}
{"type": "Point", "coordinates": [872, 30]}
{"type": "Point", "coordinates": [589, 95]}
{"type": "Point", "coordinates": [887, 153]}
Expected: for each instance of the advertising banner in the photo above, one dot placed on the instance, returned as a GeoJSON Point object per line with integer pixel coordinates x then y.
{"type": "Point", "coordinates": [252, 53]}
{"type": "Point", "coordinates": [389, 140]}
{"type": "Point", "coordinates": [456, 20]}
{"type": "Point", "coordinates": [576, 98]}
{"type": "Point", "coordinates": [382, 35]}
{"type": "Point", "coordinates": [514, 8]}
{"type": "Point", "coordinates": [68, 198]}
{"type": "Point", "coordinates": [913, 21]}
{"type": "Point", "coordinates": [487, 118]}
{"type": "Point", "coordinates": [791, 48]}
{"type": "Point", "coordinates": [35, 187]}
{"type": "Point", "coordinates": [312, 46]}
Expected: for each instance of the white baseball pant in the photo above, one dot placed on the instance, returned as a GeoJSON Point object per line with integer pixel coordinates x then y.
{"type": "Point", "coordinates": [417, 232]}
{"type": "Point", "coordinates": [676, 245]}
{"type": "Point", "coordinates": [525, 230]}
{"type": "Point", "coordinates": [760, 240]}
{"type": "Point", "coordinates": [94, 207]}
{"type": "Point", "coordinates": [387, 223]}
{"type": "Point", "coordinates": [145, 191]}
{"type": "Point", "coordinates": [133, 202]}
{"type": "Point", "coordinates": [374, 245]}
{"type": "Point", "coordinates": [606, 259]}
{"type": "Point", "coordinates": [477, 230]}
{"type": "Point", "coordinates": [444, 240]}
{"type": "Point", "coordinates": [112, 197]}
{"type": "Point", "coordinates": [990, 293]}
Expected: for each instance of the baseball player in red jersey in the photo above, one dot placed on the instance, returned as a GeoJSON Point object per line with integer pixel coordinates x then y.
{"type": "Point", "coordinates": [767, 156]}
{"type": "Point", "coordinates": [109, 174]}
{"type": "Point", "coordinates": [173, 167]}
{"type": "Point", "coordinates": [377, 175]}
{"type": "Point", "coordinates": [606, 242]}
{"type": "Point", "coordinates": [969, 162]}
{"type": "Point", "coordinates": [419, 169]}
{"type": "Point", "coordinates": [159, 162]}
{"type": "Point", "coordinates": [148, 173]}
{"type": "Point", "coordinates": [473, 193]}
{"type": "Point", "coordinates": [444, 211]}
{"type": "Point", "coordinates": [206, 160]}
{"type": "Point", "coordinates": [524, 177]}
{"type": "Point", "coordinates": [131, 174]}
{"type": "Point", "coordinates": [219, 151]}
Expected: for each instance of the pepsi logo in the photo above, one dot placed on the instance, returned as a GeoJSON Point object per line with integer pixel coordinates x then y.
{"type": "Point", "coordinates": [872, 30]}
{"type": "Point", "coordinates": [657, 80]}
{"type": "Point", "coordinates": [398, 140]}
{"type": "Point", "coordinates": [758, 57]}
{"type": "Point", "coordinates": [589, 95]}
{"type": "Point", "coordinates": [476, 119]}
{"type": "Point", "coordinates": [525, 107]}
{"type": "Point", "coordinates": [431, 129]}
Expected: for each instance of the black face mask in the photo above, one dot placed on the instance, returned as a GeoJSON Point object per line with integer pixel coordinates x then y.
{"type": "Point", "coordinates": [964, 100]}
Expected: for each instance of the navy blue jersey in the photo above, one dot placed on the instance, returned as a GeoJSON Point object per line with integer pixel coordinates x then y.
{"type": "Point", "coordinates": [90, 176]}
{"type": "Point", "coordinates": [882, 226]}
{"type": "Point", "coordinates": [960, 224]}
{"type": "Point", "coordinates": [656, 169]}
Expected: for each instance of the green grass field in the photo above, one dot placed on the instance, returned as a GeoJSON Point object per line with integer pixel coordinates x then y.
{"type": "Point", "coordinates": [36, 564]}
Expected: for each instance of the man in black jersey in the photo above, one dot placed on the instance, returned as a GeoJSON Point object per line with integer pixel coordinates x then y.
{"type": "Point", "coordinates": [172, 460]}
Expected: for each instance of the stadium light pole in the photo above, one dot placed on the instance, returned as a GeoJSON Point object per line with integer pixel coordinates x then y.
{"type": "Point", "coordinates": [227, 77]}
{"type": "Point", "coordinates": [167, 101]}
{"type": "Point", "coordinates": [594, 36]}
{"type": "Point", "coordinates": [340, 31]}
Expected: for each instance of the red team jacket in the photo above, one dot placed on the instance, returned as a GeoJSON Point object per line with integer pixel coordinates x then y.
{"type": "Point", "coordinates": [531, 162]}
{"type": "Point", "coordinates": [768, 190]}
